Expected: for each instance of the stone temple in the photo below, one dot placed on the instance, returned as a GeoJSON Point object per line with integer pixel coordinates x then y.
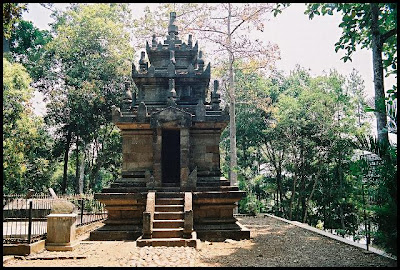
{"type": "Point", "coordinates": [171, 192]}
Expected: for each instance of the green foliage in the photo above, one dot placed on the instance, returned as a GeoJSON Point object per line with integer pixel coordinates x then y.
{"type": "Point", "coordinates": [26, 143]}
{"type": "Point", "coordinates": [250, 205]}
{"type": "Point", "coordinates": [357, 30]}
{"type": "Point", "coordinates": [90, 60]}
{"type": "Point", "coordinates": [16, 93]}
{"type": "Point", "coordinates": [12, 13]}
{"type": "Point", "coordinates": [296, 155]}
{"type": "Point", "coordinates": [320, 225]}
{"type": "Point", "coordinates": [27, 46]}
{"type": "Point", "coordinates": [304, 164]}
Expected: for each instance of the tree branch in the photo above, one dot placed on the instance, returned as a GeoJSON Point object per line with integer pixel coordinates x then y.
{"type": "Point", "coordinates": [222, 18]}
{"type": "Point", "coordinates": [188, 12]}
{"type": "Point", "coordinates": [207, 30]}
{"type": "Point", "coordinates": [244, 20]}
{"type": "Point", "coordinates": [388, 34]}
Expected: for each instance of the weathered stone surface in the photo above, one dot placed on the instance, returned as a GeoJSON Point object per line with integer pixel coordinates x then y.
{"type": "Point", "coordinates": [181, 118]}
{"type": "Point", "coordinates": [61, 232]}
{"type": "Point", "coordinates": [192, 180]}
{"type": "Point", "coordinates": [170, 143]}
{"type": "Point", "coordinates": [23, 249]}
{"type": "Point", "coordinates": [62, 207]}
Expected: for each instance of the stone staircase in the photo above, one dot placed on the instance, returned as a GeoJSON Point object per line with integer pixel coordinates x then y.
{"type": "Point", "coordinates": [168, 222]}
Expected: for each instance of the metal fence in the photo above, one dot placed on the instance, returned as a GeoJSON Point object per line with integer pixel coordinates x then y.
{"type": "Point", "coordinates": [25, 219]}
{"type": "Point", "coordinates": [89, 209]}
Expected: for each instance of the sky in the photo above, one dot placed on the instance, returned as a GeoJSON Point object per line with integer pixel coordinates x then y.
{"type": "Point", "coordinates": [309, 43]}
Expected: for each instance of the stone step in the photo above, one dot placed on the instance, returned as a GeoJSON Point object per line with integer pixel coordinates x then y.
{"type": "Point", "coordinates": [211, 178]}
{"type": "Point", "coordinates": [166, 223]}
{"type": "Point", "coordinates": [213, 113]}
{"type": "Point", "coordinates": [169, 201]}
{"type": "Point", "coordinates": [121, 227]}
{"type": "Point", "coordinates": [168, 208]}
{"type": "Point", "coordinates": [212, 183]}
{"type": "Point", "coordinates": [124, 189]}
{"type": "Point", "coordinates": [221, 226]}
{"type": "Point", "coordinates": [220, 188]}
{"type": "Point", "coordinates": [168, 189]}
{"type": "Point", "coordinates": [166, 242]}
{"type": "Point", "coordinates": [167, 233]}
{"type": "Point", "coordinates": [168, 215]}
{"type": "Point", "coordinates": [114, 235]}
{"type": "Point", "coordinates": [131, 179]}
{"type": "Point", "coordinates": [170, 185]}
{"type": "Point", "coordinates": [127, 184]}
{"type": "Point", "coordinates": [215, 220]}
{"type": "Point", "coordinates": [168, 194]}
{"type": "Point", "coordinates": [133, 174]}
{"type": "Point", "coordinates": [123, 221]}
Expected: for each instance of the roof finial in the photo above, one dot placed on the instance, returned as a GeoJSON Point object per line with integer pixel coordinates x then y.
{"type": "Point", "coordinates": [200, 61]}
{"type": "Point", "coordinates": [172, 28]}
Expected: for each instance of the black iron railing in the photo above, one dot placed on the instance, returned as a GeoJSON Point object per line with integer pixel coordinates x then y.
{"type": "Point", "coordinates": [25, 219]}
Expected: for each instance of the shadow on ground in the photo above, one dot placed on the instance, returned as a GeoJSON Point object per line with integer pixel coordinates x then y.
{"type": "Point", "coordinates": [275, 243]}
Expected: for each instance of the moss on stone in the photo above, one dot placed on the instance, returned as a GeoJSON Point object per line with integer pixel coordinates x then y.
{"type": "Point", "coordinates": [62, 207]}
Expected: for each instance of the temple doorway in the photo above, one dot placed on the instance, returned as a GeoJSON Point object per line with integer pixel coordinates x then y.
{"type": "Point", "coordinates": [170, 157]}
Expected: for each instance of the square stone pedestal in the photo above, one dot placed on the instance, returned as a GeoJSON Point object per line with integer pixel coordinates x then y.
{"type": "Point", "coordinates": [61, 232]}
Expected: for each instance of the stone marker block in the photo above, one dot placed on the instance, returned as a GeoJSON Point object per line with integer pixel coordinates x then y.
{"type": "Point", "coordinates": [61, 232]}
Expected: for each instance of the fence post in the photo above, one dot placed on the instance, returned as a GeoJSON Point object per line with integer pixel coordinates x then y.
{"type": "Point", "coordinates": [30, 222]}
{"type": "Point", "coordinates": [82, 202]}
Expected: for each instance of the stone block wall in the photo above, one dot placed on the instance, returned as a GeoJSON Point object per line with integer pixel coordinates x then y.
{"type": "Point", "coordinates": [137, 150]}
{"type": "Point", "coordinates": [204, 152]}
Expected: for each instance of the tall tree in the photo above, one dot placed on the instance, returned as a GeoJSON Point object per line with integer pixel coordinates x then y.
{"type": "Point", "coordinates": [26, 143]}
{"type": "Point", "coordinates": [373, 26]}
{"type": "Point", "coordinates": [307, 140]}
{"type": "Point", "coordinates": [89, 62]}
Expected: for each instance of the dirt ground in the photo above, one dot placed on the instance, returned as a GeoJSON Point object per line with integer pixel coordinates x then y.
{"type": "Point", "coordinates": [272, 243]}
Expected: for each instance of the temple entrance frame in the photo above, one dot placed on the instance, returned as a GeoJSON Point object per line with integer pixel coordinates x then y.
{"type": "Point", "coordinates": [170, 157]}
{"type": "Point", "coordinates": [167, 119]}
{"type": "Point", "coordinates": [184, 146]}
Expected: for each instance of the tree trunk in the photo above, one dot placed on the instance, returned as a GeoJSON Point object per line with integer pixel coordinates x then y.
{"type": "Point", "coordinates": [279, 187]}
{"type": "Point", "coordinates": [77, 165]}
{"type": "Point", "coordinates": [340, 176]}
{"type": "Point", "coordinates": [324, 213]}
{"type": "Point", "coordinates": [65, 175]}
{"type": "Point", "coordinates": [82, 171]}
{"type": "Point", "coordinates": [298, 208]}
{"type": "Point", "coordinates": [232, 121]}
{"type": "Point", "coordinates": [93, 175]}
{"type": "Point", "coordinates": [277, 196]}
{"type": "Point", "coordinates": [244, 147]}
{"type": "Point", "coordinates": [284, 211]}
{"type": "Point", "coordinates": [380, 107]}
{"type": "Point", "coordinates": [292, 197]}
{"type": "Point", "coordinates": [280, 182]}
{"type": "Point", "coordinates": [330, 209]}
{"type": "Point", "coordinates": [302, 193]}
{"type": "Point", "coordinates": [310, 197]}
{"type": "Point", "coordinates": [303, 197]}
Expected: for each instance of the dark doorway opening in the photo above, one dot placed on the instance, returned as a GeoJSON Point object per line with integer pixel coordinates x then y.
{"type": "Point", "coordinates": [170, 157]}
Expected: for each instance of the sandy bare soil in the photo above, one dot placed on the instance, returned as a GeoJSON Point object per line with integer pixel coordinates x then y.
{"type": "Point", "coordinates": [272, 243]}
